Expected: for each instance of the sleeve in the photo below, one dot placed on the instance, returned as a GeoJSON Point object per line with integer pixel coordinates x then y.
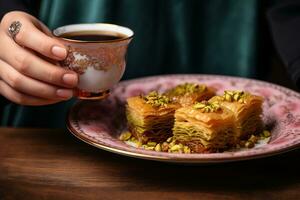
{"type": "Point", "coordinates": [284, 20]}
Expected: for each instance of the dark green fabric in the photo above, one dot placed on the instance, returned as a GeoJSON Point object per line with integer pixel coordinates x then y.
{"type": "Point", "coordinates": [171, 36]}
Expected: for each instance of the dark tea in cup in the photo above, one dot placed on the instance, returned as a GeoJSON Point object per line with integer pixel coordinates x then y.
{"type": "Point", "coordinates": [93, 36]}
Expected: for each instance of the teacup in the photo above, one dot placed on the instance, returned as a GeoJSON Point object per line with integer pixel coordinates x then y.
{"type": "Point", "coordinates": [97, 53]}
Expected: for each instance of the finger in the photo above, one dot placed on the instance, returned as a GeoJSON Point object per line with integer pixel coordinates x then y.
{"type": "Point", "coordinates": [31, 37]}
{"type": "Point", "coordinates": [29, 86]}
{"type": "Point", "coordinates": [20, 98]}
{"type": "Point", "coordinates": [31, 65]}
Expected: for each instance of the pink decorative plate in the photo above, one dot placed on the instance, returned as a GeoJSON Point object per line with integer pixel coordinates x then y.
{"type": "Point", "coordinates": [100, 123]}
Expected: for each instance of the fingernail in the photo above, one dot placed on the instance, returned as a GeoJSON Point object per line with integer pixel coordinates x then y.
{"type": "Point", "coordinates": [70, 79]}
{"type": "Point", "coordinates": [63, 93]}
{"type": "Point", "coordinates": [59, 52]}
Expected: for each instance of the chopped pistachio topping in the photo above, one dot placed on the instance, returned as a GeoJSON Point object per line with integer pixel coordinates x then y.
{"type": "Point", "coordinates": [179, 148]}
{"type": "Point", "coordinates": [234, 95]}
{"type": "Point", "coordinates": [187, 88]}
{"type": "Point", "coordinates": [171, 146]}
{"type": "Point", "coordinates": [253, 140]}
{"type": "Point", "coordinates": [246, 143]}
{"type": "Point", "coordinates": [151, 144]}
{"type": "Point", "coordinates": [156, 99]}
{"type": "Point", "coordinates": [125, 136]}
{"type": "Point", "coordinates": [168, 146]}
{"type": "Point", "coordinates": [207, 107]}
{"type": "Point", "coordinates": [169, 139]}
{"type": "Point", "coordinates": [135, 141]}
{"type": "Point", "coordinates": [157, 148]}
{"type": "Point", "coordinates": [176, 147]}
{"type": "Point", "coordinates": [186, 149]}
{"type": "Point", "coordinates": [249, 144]}
{"type": "Point", "coordinates": [266, 133]}
{"type": "Point", "coordinates": [148, 148]}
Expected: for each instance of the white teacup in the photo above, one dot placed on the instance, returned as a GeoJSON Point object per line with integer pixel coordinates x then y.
{"type": "Point", "coordinates": [97, 53]}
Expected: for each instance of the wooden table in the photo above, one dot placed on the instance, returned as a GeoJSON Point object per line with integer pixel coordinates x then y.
{"type": "Point", "coordinates": [53, 164]}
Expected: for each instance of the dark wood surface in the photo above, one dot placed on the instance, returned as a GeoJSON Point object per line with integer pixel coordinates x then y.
{"type": "Point", "coordinates": [53, 164]}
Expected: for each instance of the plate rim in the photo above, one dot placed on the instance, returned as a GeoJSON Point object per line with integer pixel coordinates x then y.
{"type": "Point", "coordinates": [184, 160]}
{"type": "Point", "coordinates": [177, 160]}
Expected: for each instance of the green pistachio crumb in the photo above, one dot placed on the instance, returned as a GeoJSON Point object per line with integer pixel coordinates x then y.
{"type": "Point", "coordinates": [207, 107]}
{"type": "Point", "coordinates": [176, 147]}
{"type": "Point", "coordinates": [169, 139]}
{"type": "Point", "coordinates": [156, 99]}
{"type": "Point", "coordinates": [151, 144]}
{"type": "Point", "coordinates": [125, 136]}
{"type": "Point", "coordinates": [158, 148]}
{"type": "Point", "coordinates": [266, 133]}
{"type": "Point", "coordinates": [149, 148]}
{"type": "Point", "coordinates": [234, 95]}
{"type": "Point", "coordinates": [249, 144]}
{"type": "Point", "coordinates": [253, 139]}
{"type": "Point", "coordinates": [186, 149]}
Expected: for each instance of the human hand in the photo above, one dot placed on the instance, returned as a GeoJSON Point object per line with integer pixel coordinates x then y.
{"type": "Point", "coordinates": [28, 75]}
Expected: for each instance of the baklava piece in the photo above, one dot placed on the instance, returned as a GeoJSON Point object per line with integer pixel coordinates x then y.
{"type": "Point", "coordinates": [204, 127]}
{"type": "Point", "coordinates": [189, 93]}
{"type": "Point", "coordinates": [150, 117]}
{"type": "Point", "coordinates": [247, 109]}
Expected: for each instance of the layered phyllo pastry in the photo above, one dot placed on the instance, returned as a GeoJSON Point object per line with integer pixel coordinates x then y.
{"type": "Point", "coordinates": [150, 117]}
{"type": "Point", "coordinates": [183, 120]}
{"type": "Point", "coordinates": [204, 127]}
{"type": "Point", "coordinates": [247, 109]}
{"type": "Point", "coordinates": [189, 93]}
